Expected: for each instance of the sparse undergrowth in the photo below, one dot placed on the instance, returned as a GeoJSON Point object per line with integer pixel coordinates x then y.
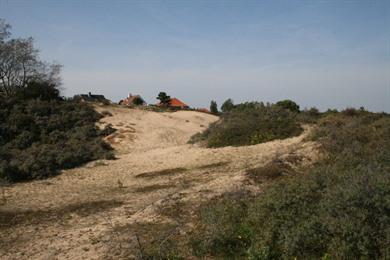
{"type": "Point", "coordinates": [269, 172]}
{"type": "Point", "coordinates": [154, 187]}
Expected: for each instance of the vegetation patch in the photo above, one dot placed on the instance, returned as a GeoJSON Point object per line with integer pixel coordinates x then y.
{"type": "Point", "coordinates": [106, 113]}
{"type": "Point", "coordinates": [150, 240]}
{"type": "Point", "coordinates": [38, 137]}
{"type": "Point", "coordinates": [100, 163]}
{"type": "Point", "coordinates": [41, 132]}
{"type": "Point", "coordinates": [175, 209]}
{"type": "Point", "coordinates": [249, 124]}
{"type": "Point", "coordinates": [108, 130]}
{"type": "Point", "coordinates": [145, 240]}
{"type": "Point", "coordinates": [221, 230]}
{"type": "Point", "coordinates": [271, 171]}
{"type": "Point", "coordinates": [339, 208]}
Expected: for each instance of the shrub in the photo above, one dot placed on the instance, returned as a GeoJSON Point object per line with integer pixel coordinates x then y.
{"type": "Point", "coordinates": [248, 124]}
{"type": "Point", "coordinates": [309, 116]}
{"type": "Point", "coordinates": [271, 171]}
{"type": "Point", "coordinates": [289, 104]}
{"type": "Point", "coordinates": [224, 234]}
{"type": "Point", "coordinates": [39, 137]}
{"type": "Point", "coordinates": [40, 90]}
{"type": "Point", "coordinates": [138, 101]}
{"type": "Point", "coordinates": [106, 113]}
{"type": "Point", "coordinates": [337, 209]}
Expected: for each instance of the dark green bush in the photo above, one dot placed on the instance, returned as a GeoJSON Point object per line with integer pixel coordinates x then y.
{"type": "Point", "coordinates": [227, 106]}
{"type": "Point", "coordinates": [41, 135]}
{"type": "Point", "coordinates": [338, 209]}
{"type": "Point", "coordinates": [250, 123]}
{"type": "Point", "coordinates": [288, 104]}
{"type": "Point", "coordinates": [39, 90]}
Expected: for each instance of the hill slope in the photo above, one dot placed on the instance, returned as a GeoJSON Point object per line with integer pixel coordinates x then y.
{"type": "Point", "coordinates": [78, 214]}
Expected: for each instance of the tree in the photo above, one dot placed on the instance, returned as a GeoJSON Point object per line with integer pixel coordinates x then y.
{"type": "Point", "coordinates": [20, 64]}
{"type": "Point", "coordinates": [227, 105]}
{"type": "Point", "coordinates": [289, 104]}
{"type": "Point", "coordinates": [213, 107]}
{"type": "Point", "coordinates": [40, 90]}
{"type": "Point", "coordinates": [138, 101]}
{"type": "Point", "coordinates": [4, 30]}
{"type": "Point", "coordinates": [165, 100]}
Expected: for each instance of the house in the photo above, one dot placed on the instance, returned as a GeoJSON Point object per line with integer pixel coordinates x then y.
{"type": "Point", "coordinates": [203, 110]}
{"type": "Point", "coordinates": [133, 100]}
{"type": "Point", "coordinates": [92, 98]}
{"type": "Point", "coordinates": [176, 103]}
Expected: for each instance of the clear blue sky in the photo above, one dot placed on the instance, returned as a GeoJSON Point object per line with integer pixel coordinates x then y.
{"type": "Point", "coordinates": [318, 53]}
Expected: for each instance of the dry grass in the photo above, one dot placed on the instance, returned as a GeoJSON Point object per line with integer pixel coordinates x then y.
{"type": "Point", "coordinates": [106, 113]}
{"type": "Point", "coordinates": [146, 240]}
{"type": "Point", "coordinates": [269, 172]}
{"type": "Point", "coordinates": [154, 187]}
{"type": "Point", "coordinates": [212, 165]}
{"type": "Point", "coordinates": [100, 163]}
{"type": "Point", "coordinates": [166, 172]}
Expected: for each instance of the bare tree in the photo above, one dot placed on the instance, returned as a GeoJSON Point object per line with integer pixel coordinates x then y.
{"type": "Point", "coordinates": [4, 30]}
{"type": "Point", "coordinates": [20, 63]}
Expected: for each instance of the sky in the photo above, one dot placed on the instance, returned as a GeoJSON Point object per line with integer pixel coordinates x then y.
{"type": "Point", "coordinates": [327, 54]}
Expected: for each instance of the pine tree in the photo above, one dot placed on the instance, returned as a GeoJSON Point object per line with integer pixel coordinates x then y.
{"type": "Point", "coordinates": [214, 107]}
{"type": "Point", "coordinates": [164, 98]}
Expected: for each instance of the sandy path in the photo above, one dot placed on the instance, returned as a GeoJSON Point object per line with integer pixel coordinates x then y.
{"type": "Point", "coordinates": [72, 216]}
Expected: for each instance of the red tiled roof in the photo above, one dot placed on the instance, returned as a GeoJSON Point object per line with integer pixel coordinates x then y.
{"type": "Point", "coordinates": [204, 110]}
{"type": "Point", "coordinates": [129, 100]}
{"type": "Point", "coordinates": [177, 103]}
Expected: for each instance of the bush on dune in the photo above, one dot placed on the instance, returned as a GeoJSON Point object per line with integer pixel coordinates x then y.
{"type": "Point", "coordinates": [288, 104]}
{"type": "Point", "coordinates": [337, 209]}
{"type": "Point", "coordinates": [250, 123]}
{"type": "Point", "coordinates": [40, 136]}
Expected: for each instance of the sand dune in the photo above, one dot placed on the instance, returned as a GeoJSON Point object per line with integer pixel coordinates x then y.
{"type": "Point", "coordinates": [72, 216]}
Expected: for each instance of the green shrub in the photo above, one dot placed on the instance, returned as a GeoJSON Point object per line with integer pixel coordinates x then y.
{"type": "Point", "coordinates": [39, 137]}
{"type": "Point", "coordinates": [288, 104]}
{"type": "Point", "coordinates": [224, 234]}
{"type": "Point", "coordinates": [248, 124]}
{"type": "Point", "coordinates": [337, 209]}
